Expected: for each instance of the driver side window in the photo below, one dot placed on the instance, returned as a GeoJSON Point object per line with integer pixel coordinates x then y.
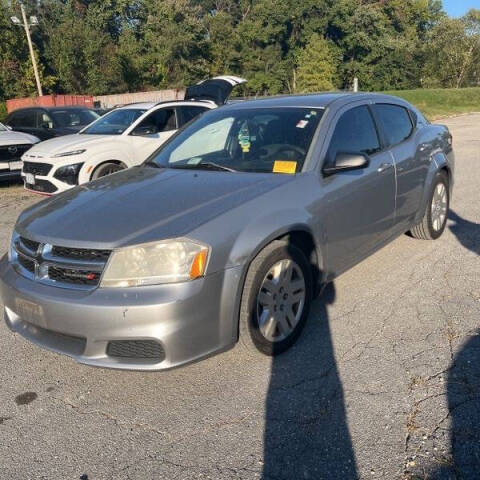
{"type": "Point", "coordinates": [163, 120]}
{"type": "Point", "coordinates": [355, 132]}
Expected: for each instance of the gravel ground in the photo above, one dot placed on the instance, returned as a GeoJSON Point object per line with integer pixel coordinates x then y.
{"type": "Point", "coordinates": [384, 382]}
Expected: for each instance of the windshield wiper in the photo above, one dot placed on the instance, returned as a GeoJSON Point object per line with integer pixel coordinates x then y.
{"type": "Point", "coordinates": [207, 166]}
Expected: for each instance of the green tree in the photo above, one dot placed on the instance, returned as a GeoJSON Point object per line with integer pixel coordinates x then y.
{"type": "Point", "coordinates": [453, 46]}
{"type": "Point", "coordinates": [317, 65]}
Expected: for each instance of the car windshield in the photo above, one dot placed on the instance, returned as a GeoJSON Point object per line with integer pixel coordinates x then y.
{"type": "Point", "coordinates": [3, 128]}
{"type": "Point", "coordinates": [115, 122]}
{"type": "Point", "coordinates": [248, 140]}
{"type": "Point", "coordinates": [73, 117]}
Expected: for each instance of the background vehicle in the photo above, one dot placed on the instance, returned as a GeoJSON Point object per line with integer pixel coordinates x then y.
{"type": "Point", "coordinates": [49, 122]}
{"type": "Point", "coordinates": [120, 139]}
{"type": "Point", "coordinates": [227, 232]}
{"type": "Point", "coordinates": [12, 146]}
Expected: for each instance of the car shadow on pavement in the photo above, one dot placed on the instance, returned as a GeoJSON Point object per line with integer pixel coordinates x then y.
{"type": "Point", "coordinates": [467, 232]}
{"type": "Point", "coordinates": [306, 430]}
{"type": "Point", "coordinates": [463, 393]}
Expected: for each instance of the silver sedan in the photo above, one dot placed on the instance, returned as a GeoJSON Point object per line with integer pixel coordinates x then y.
{"type": "Point", "coordinates": [228, 232]}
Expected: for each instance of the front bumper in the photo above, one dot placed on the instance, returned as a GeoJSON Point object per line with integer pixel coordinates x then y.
{"type": "Point", "coordinates": [189, 320]}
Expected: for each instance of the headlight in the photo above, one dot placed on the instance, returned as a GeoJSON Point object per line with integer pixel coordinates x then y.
{"type": "Point", "coordinates": [168, 261]}
{"type": "Point", "coordinates": [68, 154]}
{"type": "Point", "coordinates": [69, 173]}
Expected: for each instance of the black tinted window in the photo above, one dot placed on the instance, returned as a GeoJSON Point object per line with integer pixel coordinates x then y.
{"type": "Point", "coordinates": [355, 133]}
{"type": "Point", "coordinates": [12, 120]}
{"type": "Point", "coordinates": [395, 121]}
{"type": "Point", "coordinates": [73, 117]}
{"type": "Point", "coordinates": [189, 113]}
{"type": "Point", "coordinates": [23, 119]}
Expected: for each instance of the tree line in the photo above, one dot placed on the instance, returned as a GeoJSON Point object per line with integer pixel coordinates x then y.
{"type": "Point", "coordinates": [281, 46]}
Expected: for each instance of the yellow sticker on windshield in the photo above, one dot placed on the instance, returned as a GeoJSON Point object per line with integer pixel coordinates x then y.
{"type": "Point", "coordinates": [284, 166]}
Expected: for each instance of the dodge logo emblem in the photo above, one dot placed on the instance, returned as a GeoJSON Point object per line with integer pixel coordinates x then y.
{"type": "Point", "coordinates": [12, 150]}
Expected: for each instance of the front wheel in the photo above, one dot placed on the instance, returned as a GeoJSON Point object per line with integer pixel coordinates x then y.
{"type": "Point", "coordinates": [106, 169]}
{"type": "Point", "coordinates": [276, 299]}
{"type": "Point", "coordinates": [435, 219]}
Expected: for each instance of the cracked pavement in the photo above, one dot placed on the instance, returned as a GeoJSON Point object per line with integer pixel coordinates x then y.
{"type": "Point", "coordinates": [384, 382]}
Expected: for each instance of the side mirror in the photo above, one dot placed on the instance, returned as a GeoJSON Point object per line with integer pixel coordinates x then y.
{"type": "Point", "coordinates": [45, 126]}
{"type": "Point", "coordinates": [144, 130]}
{"type": "Point", "coordinates": [347, 161]}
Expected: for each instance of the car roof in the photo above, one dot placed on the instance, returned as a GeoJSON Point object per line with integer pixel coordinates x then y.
{"type": "Point", "coordinates": [315, 100]}
{"type": "Point", "coordinates": [49, 109]}
{"type": "Point", "coordinates": [149, 105]}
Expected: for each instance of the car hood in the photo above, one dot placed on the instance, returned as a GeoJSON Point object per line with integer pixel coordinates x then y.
{"type": "Point", "coordinates": [141, 205]}
{"type": "Point", "coordinates": [10, 137]}
{"type": "Point", "coordinates": [67, 143]}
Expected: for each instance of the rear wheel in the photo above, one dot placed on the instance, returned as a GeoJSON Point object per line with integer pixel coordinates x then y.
{"type": "Point", "coordinates": [435, 218]}
{"type": "Point", "coordinates": [276, 299]}
{"type": "Point", "coordinates": [107, 169]}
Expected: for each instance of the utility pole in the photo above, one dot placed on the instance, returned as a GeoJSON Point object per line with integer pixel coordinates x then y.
{"type": "Point", "coordinates": [27, 26]}
{"type": "Point", "coordinates": [355, 84]}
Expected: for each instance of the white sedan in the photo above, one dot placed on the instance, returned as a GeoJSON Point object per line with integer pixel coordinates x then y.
{"type": "Point", "coordinates": [121, 139]}
{"type": "Point", "coordinates": [12, 146]}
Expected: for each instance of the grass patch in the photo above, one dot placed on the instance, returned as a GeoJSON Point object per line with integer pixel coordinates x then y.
{"type": "Point", "coordinates": [438, 103]}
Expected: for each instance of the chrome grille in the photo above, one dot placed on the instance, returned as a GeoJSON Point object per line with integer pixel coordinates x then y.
{"type": "Point", "coordinates": [64, 267]}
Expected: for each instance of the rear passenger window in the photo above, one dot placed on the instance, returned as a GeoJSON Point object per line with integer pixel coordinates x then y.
{"type": "Point", "coordinates": [23, 119]}
{"type": "Point", "coordinates": [395, 122]}
{"type": "Point", "coordinates": [12, 120]}
{"type": "Point", "coordinates": [354, 133]}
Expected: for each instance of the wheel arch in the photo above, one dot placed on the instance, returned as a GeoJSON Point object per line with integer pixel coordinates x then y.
{"type": "Point", "coordinates": [303, 238]}
{"type": "Point", "coordinates": [103, 162]}
{"type": "Point", "coordinates": [439, 164]}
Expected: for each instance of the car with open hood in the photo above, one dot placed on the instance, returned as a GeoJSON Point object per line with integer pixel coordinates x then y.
{"type": "Point", "coordinates": [227, 232]}
{"type": "Point", "coordinates": [12, 146]}
{"type": "Point", "coordinates": [120, 139]}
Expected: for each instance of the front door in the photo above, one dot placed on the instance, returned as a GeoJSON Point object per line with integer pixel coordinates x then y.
{"type": "Point", "coordinates": [152, 132]}
{"type": "Point", "coordinates": [360, 203]}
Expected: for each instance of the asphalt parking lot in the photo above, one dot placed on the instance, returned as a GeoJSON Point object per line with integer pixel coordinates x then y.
{"type": "Point", "coordinates": [384, 382]}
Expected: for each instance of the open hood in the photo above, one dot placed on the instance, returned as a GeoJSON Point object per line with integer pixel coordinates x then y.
{"type": "Point", "coordinates": [216, 89]}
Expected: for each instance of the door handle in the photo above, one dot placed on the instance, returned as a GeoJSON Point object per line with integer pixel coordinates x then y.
{"type": "Point", "coordinates": [384, 166]}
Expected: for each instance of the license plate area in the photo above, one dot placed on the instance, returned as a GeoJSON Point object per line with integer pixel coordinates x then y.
{"type": "Point", "coordinates": [16, 165]}
{"type": "Point", "coordinates": [30, 178]}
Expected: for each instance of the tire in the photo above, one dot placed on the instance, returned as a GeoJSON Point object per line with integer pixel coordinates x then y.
{"type": "Point", "coordinates": [431, 227]}
{"type": "Point", "coordinates": [252, 331]}
{"type": "Point", "coordinates": [106, 169]}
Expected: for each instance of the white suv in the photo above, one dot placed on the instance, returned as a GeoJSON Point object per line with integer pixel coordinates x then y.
{"type": "Point", "coordinates": [121, 139]}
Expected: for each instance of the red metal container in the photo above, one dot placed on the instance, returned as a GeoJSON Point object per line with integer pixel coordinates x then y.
{"type": "Point", "coordinates": [50, 101]}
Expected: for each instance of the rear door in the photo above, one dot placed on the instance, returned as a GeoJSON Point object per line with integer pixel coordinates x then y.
{"type": "Point", "coordinates": [360, 203]}
{"type": "Point", "coordinates": [153, 131]}
{"type": "Point", "coordinates": [398, 131]}
{"type": "Point", "coordinates": [216, 89]}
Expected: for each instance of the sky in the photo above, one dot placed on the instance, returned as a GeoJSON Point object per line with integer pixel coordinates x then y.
{"type": "Point", "coordinates": [457, 8]}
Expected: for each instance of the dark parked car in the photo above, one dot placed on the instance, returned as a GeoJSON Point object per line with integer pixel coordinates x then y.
{"type": "Point", "coordinates": [227, 232]}
{"type": "Point", "coordinates": [49, 122]}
